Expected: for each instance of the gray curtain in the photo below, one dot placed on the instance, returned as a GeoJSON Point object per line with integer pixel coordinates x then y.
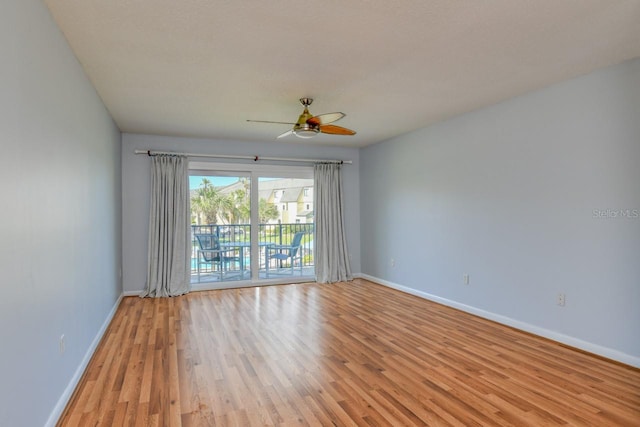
{"type": "Point", "coordinates": [169, 257]}
{"type": "Point", "coordinates": [330, 244]}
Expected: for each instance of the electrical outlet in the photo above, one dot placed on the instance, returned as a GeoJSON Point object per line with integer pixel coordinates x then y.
{"type": "Point", "coordinates": [393, 262]}
{"type": "Point", "coordinates": [62, 344]}
{"type": "Point", "coordinates": [560, 300]}
{"type": "Point", "coordinates": [465, 279]}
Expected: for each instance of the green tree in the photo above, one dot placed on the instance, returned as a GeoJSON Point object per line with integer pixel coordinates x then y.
{"type": "Point", "coordinates": [207, 203]}
{"type": "Point", "coordinates": [267, 211]}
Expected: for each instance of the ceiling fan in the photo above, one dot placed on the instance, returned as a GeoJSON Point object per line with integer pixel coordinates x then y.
{"type": "Point", "coordinates": [309, 126]}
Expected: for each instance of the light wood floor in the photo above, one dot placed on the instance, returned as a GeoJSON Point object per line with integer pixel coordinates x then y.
{"type": "Point", "coordinates": [344, 354]}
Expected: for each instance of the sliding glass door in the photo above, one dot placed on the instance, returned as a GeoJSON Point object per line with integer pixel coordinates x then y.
{"type": "Point", "coordinates": [227, 250]}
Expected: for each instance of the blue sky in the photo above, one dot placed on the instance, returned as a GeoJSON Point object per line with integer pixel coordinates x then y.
{"type": "Point", "coordinates": [218, 181]}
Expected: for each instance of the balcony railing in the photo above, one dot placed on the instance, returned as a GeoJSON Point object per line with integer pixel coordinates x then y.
{"type": "Point", "coordinates": [238, 237]}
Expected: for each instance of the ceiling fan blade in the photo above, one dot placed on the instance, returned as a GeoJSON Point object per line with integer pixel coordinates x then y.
{"type": "Point", "coordinates": [325, 119]}
{"type": "Point", "coordinates": [268, 121]}
{"type": "Point", "coordinates": [287, 133]}
{"type": "Point", "coordinates": [336, 130]}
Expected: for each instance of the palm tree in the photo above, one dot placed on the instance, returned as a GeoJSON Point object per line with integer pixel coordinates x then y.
{"type": "Point", "coordinates": [235, 208]}
{"type": "Point", "coordinates": [207, 203]}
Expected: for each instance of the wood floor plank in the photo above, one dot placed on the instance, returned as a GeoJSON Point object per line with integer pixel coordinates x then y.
{"type": "Point", "coordinates": [344, 354]}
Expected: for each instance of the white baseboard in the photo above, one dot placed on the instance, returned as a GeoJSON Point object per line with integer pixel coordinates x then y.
{"type": "Point", "coordinates": [599, 350]}
{"type": "Point", "coordinates": [68, 392]}
{"type": "Point", "coordinates": [131, 293]}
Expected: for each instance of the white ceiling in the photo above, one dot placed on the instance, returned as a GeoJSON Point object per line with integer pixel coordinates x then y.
{"type": "Point", "coordinates": [200, 68]}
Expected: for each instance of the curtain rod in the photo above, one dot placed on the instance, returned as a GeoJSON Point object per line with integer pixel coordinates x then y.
{"type": "Point", "coordinates": [254, 158]}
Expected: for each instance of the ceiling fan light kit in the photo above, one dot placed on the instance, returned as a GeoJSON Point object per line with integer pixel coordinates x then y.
{"type": "Point", "coordinates": [309, 125]}
{"type": "Point", "coordinates": [306, 131]}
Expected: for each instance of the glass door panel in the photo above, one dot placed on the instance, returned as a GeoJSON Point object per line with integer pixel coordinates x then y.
{"type": "Point", "coordinates": [220, 227]}
{"type": "Point", "coordinates": [286, 227]}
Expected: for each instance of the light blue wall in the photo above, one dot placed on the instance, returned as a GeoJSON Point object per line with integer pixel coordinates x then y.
{"type": "Point", "coordinates": [136, 175]}
{"type": "Point", "coordinates": [508, 194]}
{"type": "Point", "coordinates": [60, 217]}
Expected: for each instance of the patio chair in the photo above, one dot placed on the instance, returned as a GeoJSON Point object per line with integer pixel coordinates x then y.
{"type": "Point", "coordinates": [210, 252]}
{"type": "Point", "coordinates": [290, 252]}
